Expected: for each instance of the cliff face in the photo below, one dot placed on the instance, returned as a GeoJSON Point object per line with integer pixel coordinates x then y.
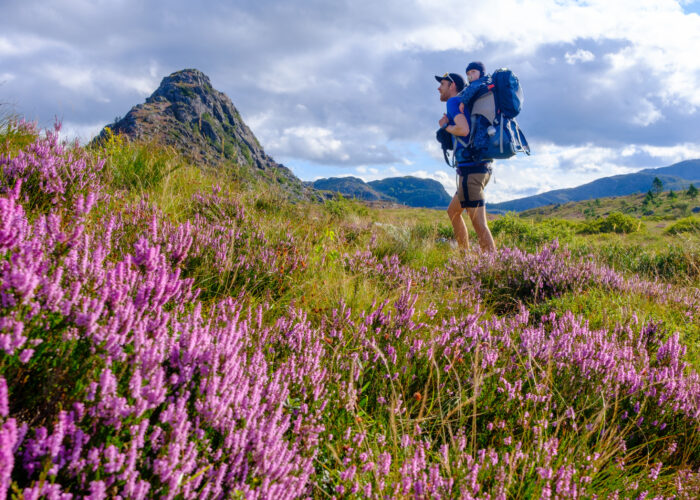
{"type": "Point", "coordinates": [186, 112]}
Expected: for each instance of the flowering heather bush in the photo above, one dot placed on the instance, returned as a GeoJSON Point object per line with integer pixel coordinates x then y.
{"type": "Point", "coordinates": [518, 392]}
{"type": "Point", "coordinates": [228, 244]}
{"type": "Point", "coordinates": [53, 174]}
{"type": "Point", "coordinates": [156, 398]}
{"type": "Point", "coordinates": [140, 357]}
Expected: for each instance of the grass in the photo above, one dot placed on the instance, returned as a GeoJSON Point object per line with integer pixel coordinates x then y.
{"type": "Point", "coordinates": [430, 354]}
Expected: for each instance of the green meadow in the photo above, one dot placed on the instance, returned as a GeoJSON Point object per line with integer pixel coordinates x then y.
{"type": "Point", "coordinates": [383, 361]}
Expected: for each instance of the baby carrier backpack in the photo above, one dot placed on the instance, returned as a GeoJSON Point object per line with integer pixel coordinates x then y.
{"type": "Point", "coordinates": [493, 103]}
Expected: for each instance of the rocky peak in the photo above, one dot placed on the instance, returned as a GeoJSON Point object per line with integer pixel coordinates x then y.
{"type": "Point", "coordinates": [192, 77]}
{"type": "Point", "coordinates": [186, 112]}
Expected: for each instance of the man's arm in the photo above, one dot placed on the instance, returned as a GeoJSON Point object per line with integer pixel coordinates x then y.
{"type": "Point", "coordinates": [461, 126]}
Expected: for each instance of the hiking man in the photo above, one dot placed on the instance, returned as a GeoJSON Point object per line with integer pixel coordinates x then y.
{"type": "Point", "coordinates": [472, 176]}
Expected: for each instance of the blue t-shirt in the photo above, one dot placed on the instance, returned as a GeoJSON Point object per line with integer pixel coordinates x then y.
{"type": "Point", "coordinates": [452, 111]}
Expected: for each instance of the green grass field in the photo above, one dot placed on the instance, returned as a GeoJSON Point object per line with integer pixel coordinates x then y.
{"type": "Point", "coordinates": [355, 346]}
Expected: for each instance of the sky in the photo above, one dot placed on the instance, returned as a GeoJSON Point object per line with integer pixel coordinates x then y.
{"type": "Point", "coordinates": [347, 87]}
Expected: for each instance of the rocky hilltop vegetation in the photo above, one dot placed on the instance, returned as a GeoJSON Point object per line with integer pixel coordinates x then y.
{"type": "Point", "coordinates": [186, 112]}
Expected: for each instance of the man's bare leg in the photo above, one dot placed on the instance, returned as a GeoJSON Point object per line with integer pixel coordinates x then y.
{"type": "Point", "coordinates": [478, 218]}
{"type": "Point", "coordinates": [454, 212]}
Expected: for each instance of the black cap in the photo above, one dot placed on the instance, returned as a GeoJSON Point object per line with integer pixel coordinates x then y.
{"type": "Point", "coordinates": [454, 78]}
{"type": "Point", "coordinates": [477, 65]}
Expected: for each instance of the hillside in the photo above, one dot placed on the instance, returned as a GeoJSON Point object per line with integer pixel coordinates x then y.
{"type": "Point", "coordinates": [182, 335]}
{"type": "Point", "coordinates": [677, 176]}
{"type": "Point", "coordinates": [668, 205]}
{"type": "Point", "coordinates": [186, 112]}
{"type": "Point", "coordinates": [350, 187]}
{"type": "Point", "coordinates": [410, 191]}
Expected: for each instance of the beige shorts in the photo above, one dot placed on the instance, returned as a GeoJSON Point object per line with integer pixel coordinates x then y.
{"type": "Point", "coordinates": [471, 182]}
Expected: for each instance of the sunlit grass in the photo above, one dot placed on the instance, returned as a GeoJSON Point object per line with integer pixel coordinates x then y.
{"type": "Point", "coordinates": [458, 366]}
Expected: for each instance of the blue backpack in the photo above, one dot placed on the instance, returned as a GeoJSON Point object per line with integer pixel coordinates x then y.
{"type": "Point", "coordinates": [508, 93]}
{"type": "Point", "coordinates": [493, 103]}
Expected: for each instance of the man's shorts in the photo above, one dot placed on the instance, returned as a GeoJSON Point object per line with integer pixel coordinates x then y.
{"type": "Point", "coordinates": [471, 181]}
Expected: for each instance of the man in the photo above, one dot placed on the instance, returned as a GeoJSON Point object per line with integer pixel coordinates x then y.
{"type": "Point", "coordinates": [472, 176]}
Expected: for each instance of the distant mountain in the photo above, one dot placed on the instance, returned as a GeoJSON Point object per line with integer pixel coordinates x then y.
{"type": "Point", "coordinates": [186, 112]}
{"type": "Point", "coordinates": [351, 187]}
{"type": "Point", "coordinates": [411, 191]}
{"type": "Point", "coordinates": [677, 176]}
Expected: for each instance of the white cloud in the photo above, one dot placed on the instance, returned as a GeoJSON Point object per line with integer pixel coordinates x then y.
{"type": "Point", "coordinates": [662, 38]}
{"type": "Point", "coordinates": [448, 181]}
{"type": "Point", "coordinates": [558, 167]}
{"type": "Point", "coordinates": [100, 83]}
{"type": "Point", "coordinates": [72, 78]}
{"type": "Point", "coordinates": [647, 115]}
{"type": "Point", "coordinates": [23, 45]}
{"type": "Point", "coordinates": [83, 133]}
{"type": "Point", "coordinates": [315, 143]}
{"type": "Point", "coordinates": [345, 84]}
{"type": "Point", "coordinates": [580, 55]}
{"type": "Point", "coordinates": [671, 154]}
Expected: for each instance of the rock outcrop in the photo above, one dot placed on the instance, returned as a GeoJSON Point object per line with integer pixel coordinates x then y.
{"type": "Point", "coordinates": [186, 112]}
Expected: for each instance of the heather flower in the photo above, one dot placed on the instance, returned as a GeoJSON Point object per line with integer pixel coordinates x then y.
{"type": "Point", "coordinates": [192, 381]}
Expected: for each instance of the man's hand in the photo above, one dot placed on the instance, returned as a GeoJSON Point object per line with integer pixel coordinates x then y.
{"type": "Point", "coordinates": [461, 107]}
{"type": "Point", "coordinates": [444, 120]}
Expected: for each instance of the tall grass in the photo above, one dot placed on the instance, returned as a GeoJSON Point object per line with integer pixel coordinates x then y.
{"type": "Point", "coordinates": [167, 330]}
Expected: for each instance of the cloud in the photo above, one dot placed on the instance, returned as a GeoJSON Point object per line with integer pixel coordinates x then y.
{"type": "Point", "coordinates": [557, 167]}
{"type": "Point", "coordinates": [580, 55]}
{"type": "Point", "coordinates": [321, 145]}
{"type": "Point", "coordinates": [336, 85]}
{"type": "Point", "coordinates": [647, 114]}
{"type": "Point", "coordinates": [80, 131]}
{"type": "Point", "coordinates": [314, 143]}
{"type": "Point", "coordinates": [447, 181]}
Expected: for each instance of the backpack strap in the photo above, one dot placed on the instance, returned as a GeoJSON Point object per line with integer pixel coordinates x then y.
{"type": "Point", "coordinates": [455, 140]}
{"type": "Point", "coordinates": [461, 141]}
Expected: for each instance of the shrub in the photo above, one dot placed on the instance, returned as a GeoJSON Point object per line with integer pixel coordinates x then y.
{"type": "Point", "coordinates": [514, 231]}
{"type": "Point", "coordinates": [135, 165]}
{"type": "Point", "coordinates": [445, 231]}
{"type": "Point", "coordinates": [675, 263]}
{"type": "Point", "coordinates": [340, 207]}
{"type": "Point", "coordinates": [146, 357]}
{"type": "Point", "coordinates": [51, 174]}
{"type": "Point", "coordinates": [686, 225]}
{"type": "Point", "coordinates": [423, 231]}
{"type": "Point", "coordinates": [15, 134]}
{"type": "Point", "coordinates": [616, 222]}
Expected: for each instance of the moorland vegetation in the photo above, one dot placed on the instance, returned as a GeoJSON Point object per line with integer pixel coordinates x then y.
{"type": "Point", "coordinates": [185, 332]}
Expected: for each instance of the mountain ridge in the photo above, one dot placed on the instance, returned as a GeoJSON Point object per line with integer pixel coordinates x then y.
{"type": "Point", "coordinates": [407, 190]}
{"type": "Point", "coordinates": [676, 176]}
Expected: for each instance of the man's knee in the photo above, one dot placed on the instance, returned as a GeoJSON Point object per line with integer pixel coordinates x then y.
{"type": "Point", "coordinates": [478, 217]}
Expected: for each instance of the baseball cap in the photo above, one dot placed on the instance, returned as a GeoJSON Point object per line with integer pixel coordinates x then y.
{"type": "Point", "coordinates": [454, 78]}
